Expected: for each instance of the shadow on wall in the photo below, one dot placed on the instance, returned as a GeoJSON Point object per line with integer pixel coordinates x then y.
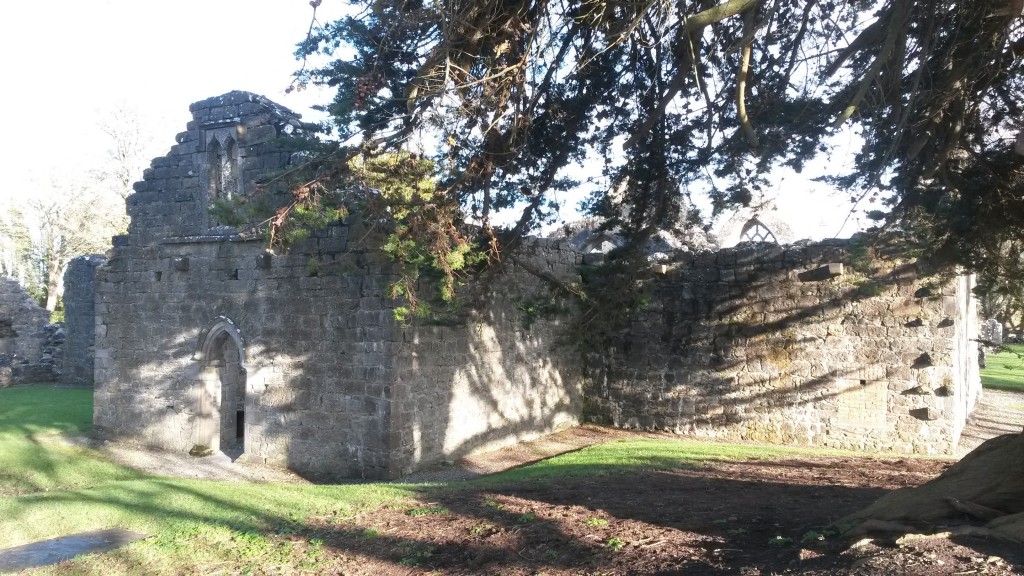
{"type": "Point", "coordinates": [278, 362]}
{"type": "Point", "coordinates": [207, 342]}
{"type": "Point", "coordinates": [219, 346]}
{"type": "Point", "coordinates": [801, 344]}
{"type": "Point", "coordinates": [500, 377]}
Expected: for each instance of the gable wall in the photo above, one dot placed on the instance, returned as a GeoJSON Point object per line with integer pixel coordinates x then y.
{"type": "Point", "coordinates": [336, 387]}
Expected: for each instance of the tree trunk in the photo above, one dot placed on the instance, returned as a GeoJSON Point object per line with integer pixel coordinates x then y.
{"type": "Point", "coordinates": [981, 494]}
{"type": "Point", "coordinates": [53, 279]}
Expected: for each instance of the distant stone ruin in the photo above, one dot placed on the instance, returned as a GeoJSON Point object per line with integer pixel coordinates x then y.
{"type": "Point", "coordinates": [991, 332]}
{"type": "Point", "coordinates": [30, 347]}
{"type": "Point", "coordinates": [205, 341]}
{"type": "Point", "coordinates": [80, 319]}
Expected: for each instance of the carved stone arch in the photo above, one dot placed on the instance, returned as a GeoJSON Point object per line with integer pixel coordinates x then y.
{"type": "Point", "coordinates": [220, 389]}
{"type": "Point", "coordinates": [221, 325]}
{"type": "Point", "coordinates": [756, 231]}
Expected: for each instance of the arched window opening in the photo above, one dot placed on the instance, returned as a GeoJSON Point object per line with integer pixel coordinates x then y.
{"type": "Point", "coordinates": [755, 231]}
{"type": "Point", "coordinates": [214, 157]}
{"type": "Point", "coordinates": [229, 170]}
{"type": "Point", "coordinates": [223, 164]}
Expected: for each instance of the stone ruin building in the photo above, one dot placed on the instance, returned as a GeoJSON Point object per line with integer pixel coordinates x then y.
{"type": "Point", "coordinates": [206, 341]}
{"type": "Point", "coordinates": [30, 347]}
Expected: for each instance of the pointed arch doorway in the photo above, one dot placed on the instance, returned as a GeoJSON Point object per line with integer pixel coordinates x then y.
{"type": "Point", "coordinates": [220, 390]}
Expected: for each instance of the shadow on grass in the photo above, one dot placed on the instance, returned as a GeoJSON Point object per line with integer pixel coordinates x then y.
{"type": "Point", "coordinates": [35, 457]}
{"type": "Point", "coordinates": [686, 520]}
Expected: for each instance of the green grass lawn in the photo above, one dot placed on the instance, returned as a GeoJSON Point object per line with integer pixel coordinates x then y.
{"type": "Point", "coordinates": [49, 488]}
{"type": "Point", "coordinates": [1005, 370]}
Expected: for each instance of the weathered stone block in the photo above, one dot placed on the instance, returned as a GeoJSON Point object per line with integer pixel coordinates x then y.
{"type": "Point", "coordinates": [928, 414]}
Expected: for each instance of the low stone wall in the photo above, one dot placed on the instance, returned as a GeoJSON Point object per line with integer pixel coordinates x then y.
{"type": "Point", "coordinates": [49, 364]}
{"type": "Point", "coordinates": [795, 345]}
{"type": "Point", "coordinates": [80, 319]}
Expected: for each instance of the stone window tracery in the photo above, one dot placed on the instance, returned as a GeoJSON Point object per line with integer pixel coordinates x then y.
{"type": "Point", "coordinates": [223, 168]}
{"type": "Point", "coordinates": [755, 231]}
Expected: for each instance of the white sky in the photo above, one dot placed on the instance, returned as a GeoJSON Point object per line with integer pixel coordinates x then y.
{"type": "Point", "coordinates": [65, 62]}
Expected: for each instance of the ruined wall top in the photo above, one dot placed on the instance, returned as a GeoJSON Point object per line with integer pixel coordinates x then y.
{"type": "Point", "coordinates": [22, 336]}
{"type": "Point", "coordinates": [80, 318]}
{"type": "Point", "coordinates": [21, 322]}
{"type": "Point", "coordinates": [227, 148]}
{"type": "Point", "coordinates": [241, 108]}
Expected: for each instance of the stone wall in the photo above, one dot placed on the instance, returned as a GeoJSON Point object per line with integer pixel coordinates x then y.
{"type": "Point", "coordinates": [796, 345]}
{"type": "Point", "coordinates": [334, 386]}
{"type": "Point", "coordinates": [49, 364]}
{"type": "Point", "coordinates": [505, 374]}
{"type": "Point", "coordinates": [22, 334]}
{"type": "Point", "coordinates": [80, 319]}
{"type": "Point", "coordinates": [204, 341]}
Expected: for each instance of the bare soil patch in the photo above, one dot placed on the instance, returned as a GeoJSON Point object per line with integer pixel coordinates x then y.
{"type": "Point", "coordinates": [741, 517]}
{"type": "Point", "coordinates": [723, 518]}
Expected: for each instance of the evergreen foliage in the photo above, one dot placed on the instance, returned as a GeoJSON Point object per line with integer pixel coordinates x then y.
{"type": "Point", "coordinates": [674, 95]}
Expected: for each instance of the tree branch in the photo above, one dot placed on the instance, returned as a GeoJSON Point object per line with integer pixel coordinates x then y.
{"type": "Point", "coordinates": [895, 28]}
{"type": "Point", "coordinates": [718, 13]}
{"type": "Point", "coordinates": [691, 25]}
{"type": "Point", "coordinates": [741, 81]}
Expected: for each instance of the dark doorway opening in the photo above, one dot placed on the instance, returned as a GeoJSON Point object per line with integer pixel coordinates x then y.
{"type": "Point", "coordinates": [240, 425]}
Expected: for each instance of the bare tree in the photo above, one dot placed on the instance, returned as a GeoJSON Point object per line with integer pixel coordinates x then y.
{"type": "Point", "coordinates": [130, 145]}
{"type": "Point", "coordinates": [73, 218]}
{"type": "Point", "coordinates": [17, 250]}
{"type": "Point", "coordinates": [71, 214]}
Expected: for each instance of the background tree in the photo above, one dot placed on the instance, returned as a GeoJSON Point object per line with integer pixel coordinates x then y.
{"type": "Point", "coordinates": [17, 250]}
{"type": "Point", "coordinates": [73, 219]}
{"type": "Point", "coordinates": [129, 148]}
{"type": "Point", "coordinates": [1002, 294]}
{"type": "Point", "coordinates": [74, 212]}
